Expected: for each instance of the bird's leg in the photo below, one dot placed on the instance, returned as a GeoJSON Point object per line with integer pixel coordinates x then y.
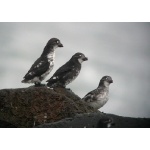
{"type": "Point", "coordinates": [68, 89]}
{"type": "Point", "coordinates": [63, 86]}
{"type": "Point", "coordinates": [38, 84]}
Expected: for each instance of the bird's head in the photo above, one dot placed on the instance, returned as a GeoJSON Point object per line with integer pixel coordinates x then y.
{"type": "Point", "coordinates": [54, 43]}
{"type": "Point", "coordinates": [106, 81]}
{"type": "Point", "coordinates": [79, 57]}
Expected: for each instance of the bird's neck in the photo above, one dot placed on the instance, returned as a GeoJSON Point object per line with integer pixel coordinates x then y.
{"type": "Point", "coordinates": [76, 62]}
{"type": "Point", "coordinates": [80, 61]}
{"type": "Point", "coordinates": [104, 84]}
{"type": "Point", "coordinates": [48, 50]}
{"type": "Point", "coordinates": [51, 56]}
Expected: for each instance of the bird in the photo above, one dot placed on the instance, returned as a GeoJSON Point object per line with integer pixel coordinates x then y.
{"type": "Point", "coordinates": [98, 97]}
{"type": "Point", "coordinates": [67, 72]}
{"type": "Point", "coordinates": [105, 122]}
{"type": "Point", "coordinates": [44, 64]}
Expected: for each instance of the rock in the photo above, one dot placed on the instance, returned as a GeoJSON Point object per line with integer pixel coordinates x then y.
{"type": "Point", "coordinates": [4, 124]}
{"type": "Point", "coordinates": [128, 122]}
{"type": "Point", "coordinates": [85, 120]}
{"type": "Point", "coordinates": [98, 120]}
{"type": "Point", "coordinates": [29, 107]}
{"type": "Point", "coordinates": [42, 107]}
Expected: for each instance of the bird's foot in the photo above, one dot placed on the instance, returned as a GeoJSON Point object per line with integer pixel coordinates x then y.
{"type": "Point", "coordinates": [40, 85]}
{"type": "Point", "coordinates": [68, 89]}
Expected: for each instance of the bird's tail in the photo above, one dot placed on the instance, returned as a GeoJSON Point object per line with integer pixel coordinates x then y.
{"type": "Point", "coordinates": [24, 81]}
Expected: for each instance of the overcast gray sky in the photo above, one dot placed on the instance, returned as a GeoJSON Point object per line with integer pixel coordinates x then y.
{"type": "Point", "coordinates": [121, 50]}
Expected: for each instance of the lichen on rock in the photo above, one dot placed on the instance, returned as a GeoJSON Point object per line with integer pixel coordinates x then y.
{"type": "Point", "coordinates": [29, 107]}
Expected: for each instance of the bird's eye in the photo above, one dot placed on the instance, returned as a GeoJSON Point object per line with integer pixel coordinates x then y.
{"type": "Point", "coordinates": [80, 55]}
{"type": "Point", "coordinates": [57, 41]}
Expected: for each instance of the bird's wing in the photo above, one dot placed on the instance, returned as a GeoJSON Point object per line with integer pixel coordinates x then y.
{"type": "Point", "coordinates": [93, 95]}
{"type": "Point", "coordinates": [61, 72]}
{"type": "Point", "coordinates": [39, 67]}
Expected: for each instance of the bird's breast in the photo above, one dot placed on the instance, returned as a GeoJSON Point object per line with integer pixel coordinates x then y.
{"type": "Point", "coordinates": [51, 57]}
{"type": "Point", "coordinates": [72, 76]}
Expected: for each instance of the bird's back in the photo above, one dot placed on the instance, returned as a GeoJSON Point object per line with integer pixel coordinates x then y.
{"type": "Point", "coordinates": [65, 74]}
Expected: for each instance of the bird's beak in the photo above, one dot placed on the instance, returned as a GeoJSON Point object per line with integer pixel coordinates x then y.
{"type": "Point", "coordinates": [111, 81]}
{"type": "Point", "coordinates": [85, 59]}
{"type": "Point", "coordinates": [60, 45]}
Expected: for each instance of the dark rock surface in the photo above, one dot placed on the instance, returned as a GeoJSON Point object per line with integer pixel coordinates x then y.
{"type": "Point", "coordinates": [128, 122]}
{"type": "Point", "coordinates": [29, 107]}
{"type": "Point", "coordinates": [98, 120]}
{"type": "Point", "coordinates": [85, 120]}
{"type": "Point", "coordinates": [41, 107]}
